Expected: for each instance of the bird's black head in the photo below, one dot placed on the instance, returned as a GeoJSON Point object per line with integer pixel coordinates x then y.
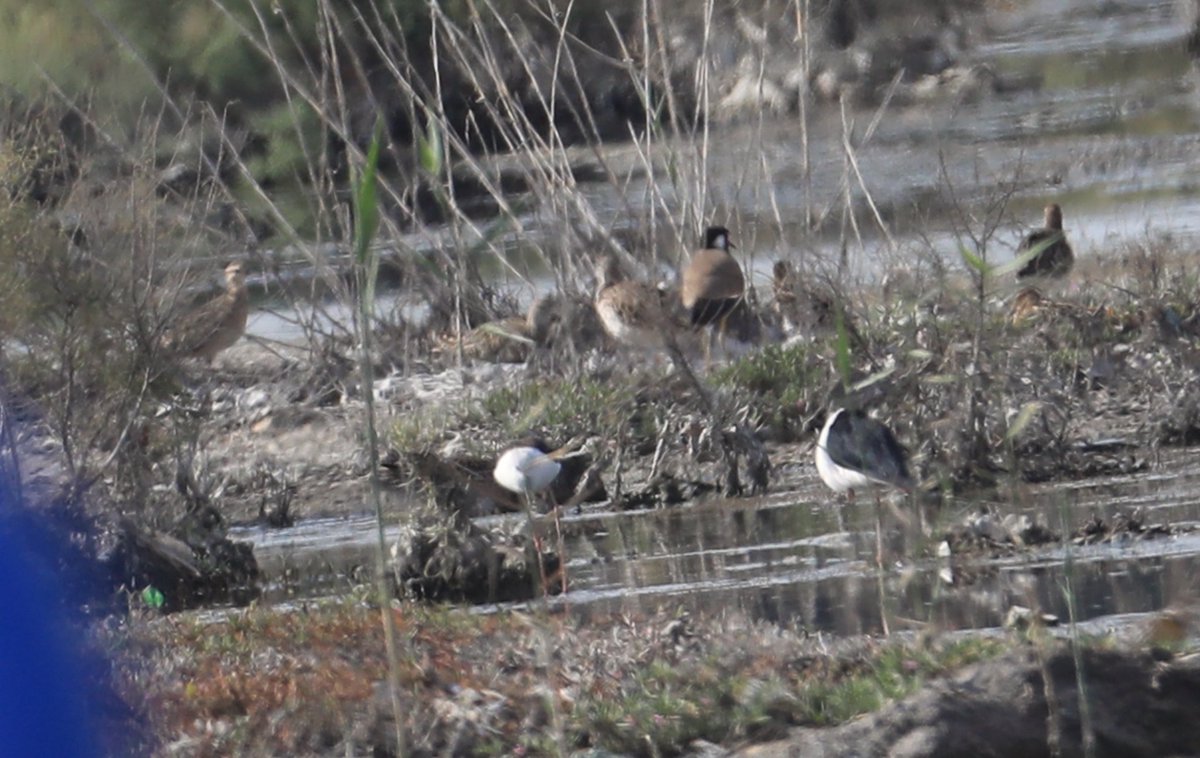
{"type": "Point", "coordinates": [717, 238]}
{"type": "Point", "coordinates": [534, 441]}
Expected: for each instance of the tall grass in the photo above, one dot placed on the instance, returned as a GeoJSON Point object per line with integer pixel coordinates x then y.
{"type": "Point", "coordinates": [366, 222]}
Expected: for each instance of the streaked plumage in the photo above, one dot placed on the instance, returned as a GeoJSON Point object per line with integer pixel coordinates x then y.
{"type": "Point", "coordinates": [553, 320]}
{"type": "Point", "coordinates": [1027, 304]}
{"type": "Point", "coordinates": [713, 283]}
{"type": "Point", "coordinates": [1057, 258]}
{"type": "Point", "coordinates": [804, 307]}
{"type": "Point", "coordinates": [633, 313]}
{"type": "Point", "coordinates": [216, 325]}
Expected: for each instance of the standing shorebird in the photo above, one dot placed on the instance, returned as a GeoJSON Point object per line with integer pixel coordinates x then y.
{"type": "Point", "coordinates": [633, 313]}
{"type": "Point", "coordinates": [528, 470]}
{"type": "Point", "coordinates": [216, 325]}
{"type": "Point", "coordinates": [1056, 257]}
{"type": "Point", "coordinates": [713, 283]}
{"type": "Point", "coordinates": [855, 451]}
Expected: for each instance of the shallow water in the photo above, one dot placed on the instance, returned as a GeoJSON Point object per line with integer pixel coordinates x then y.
{"type": "Point", "coordinates": [1111, 133]}
{"type": "Point", "coordinates": [785, 558]}
{"type": "Point", "coordinates": [1110, 129]}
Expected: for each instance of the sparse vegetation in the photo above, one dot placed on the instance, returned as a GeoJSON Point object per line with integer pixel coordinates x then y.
{"type": "Point", "coordinates": [238, 130]}
{"type": "Point", "coordinates": [645, 692]}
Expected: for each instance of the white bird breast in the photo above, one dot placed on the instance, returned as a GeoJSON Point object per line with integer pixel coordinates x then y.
{"type": "Point", "coordinates": [525, 470]}
{"type": "Point", "coordinates": [837, 478]}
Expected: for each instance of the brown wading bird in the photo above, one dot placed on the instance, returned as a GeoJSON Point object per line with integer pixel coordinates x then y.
{"type": "Point", "coordinates": [1056, 258]}
{"type": "Point", "coordinates": [633, 313]}
{"type": "Point", "coordinates": [1027, 304]}
{"type": "Point", "coordinates": [509, 340]}
{"type": "Point", "coordinates": [216, 325]}
{"type": "Point", "coordinates": [713, 284]}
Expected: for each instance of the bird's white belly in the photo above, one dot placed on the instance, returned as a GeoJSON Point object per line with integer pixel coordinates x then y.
{"type": "Point", "coordinates": [525, 470]}
{"type": "Point", "coordinates": [837, 478]}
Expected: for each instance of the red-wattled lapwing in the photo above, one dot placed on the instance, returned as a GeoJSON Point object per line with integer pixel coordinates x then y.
{"type": "Point", "coordinates": [1056, 258]}
{"type": "Point", "coordinates": [713, 284]}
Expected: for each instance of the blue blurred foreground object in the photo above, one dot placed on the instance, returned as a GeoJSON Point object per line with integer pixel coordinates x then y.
{"type": "Point", "coordinates": [43, 695]}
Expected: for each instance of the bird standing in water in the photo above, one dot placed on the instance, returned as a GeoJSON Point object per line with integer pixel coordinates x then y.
{"type": "Point", "coordinates": [1056, 257]}
{"type": "Point", "coordinates": [854, 451]}
{"type": "Point", "coordinates": [527, 470]}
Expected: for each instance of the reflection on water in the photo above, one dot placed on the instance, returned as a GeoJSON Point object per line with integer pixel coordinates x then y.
{"type": "Point", "coordinates": [1113, 133]}
{"type": "Point", "coordinates": [785, 559]}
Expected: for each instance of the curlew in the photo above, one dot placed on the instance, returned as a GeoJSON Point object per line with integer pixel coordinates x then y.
{"type": "Point", "coordinates": [216, 325]}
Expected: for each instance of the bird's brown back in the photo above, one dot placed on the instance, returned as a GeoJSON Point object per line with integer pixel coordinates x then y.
{"type": "Point", "coordinates": [711, 275]}
{"type": "Point", "coordinates": [214, 326]}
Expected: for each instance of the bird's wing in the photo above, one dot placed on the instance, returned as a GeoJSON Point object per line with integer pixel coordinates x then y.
{"type": "Point", "coordinates": [713, 275]}
{"type": "Point", "coordinates": [864, 445]}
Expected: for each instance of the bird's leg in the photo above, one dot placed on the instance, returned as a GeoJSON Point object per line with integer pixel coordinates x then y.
{"type": "Point", "coordinates": [879, 575]}
{"type": "Point", "coordinates": [537, 547]}
{"type": "Point", "coordinates": [878, 532]}
{"type": "Point", "coordinates": [722, 329]}
{"type": "Point", "coordinates": [562, 549]}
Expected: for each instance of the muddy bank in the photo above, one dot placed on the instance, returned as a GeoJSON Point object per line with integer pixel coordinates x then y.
{"type": "Point", "coordinates": [1027, 703]}
{"type": "Point", "coordinates": [641, 686]}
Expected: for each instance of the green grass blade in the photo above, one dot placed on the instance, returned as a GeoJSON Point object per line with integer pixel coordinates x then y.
{"type": "Point", "coordinates": [842, 346]}
{"type": "Point", "coordinates": [430, 153]}
{"type": "Point", "coordinates": [974, 261]}
{"type": "Point", "coordinates": [1018, 263]}
{"type": "Point", "coordinates": [493, 328]}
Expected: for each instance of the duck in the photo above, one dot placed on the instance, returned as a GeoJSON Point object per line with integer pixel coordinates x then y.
{"type": "Point", "coordinates": [855, 452]}
{"type": "Point", "coordinates": [216, 325]}
{"type": "Point", "coordinates": [713, 283]}
{"type": "Point", "coordinates": [1056, 257]}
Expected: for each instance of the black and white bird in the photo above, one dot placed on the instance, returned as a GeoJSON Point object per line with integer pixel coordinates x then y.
{"type": "Point", "coordinates": [527, 469]}
{"type": "Point", "coordinates": [856, 452]}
